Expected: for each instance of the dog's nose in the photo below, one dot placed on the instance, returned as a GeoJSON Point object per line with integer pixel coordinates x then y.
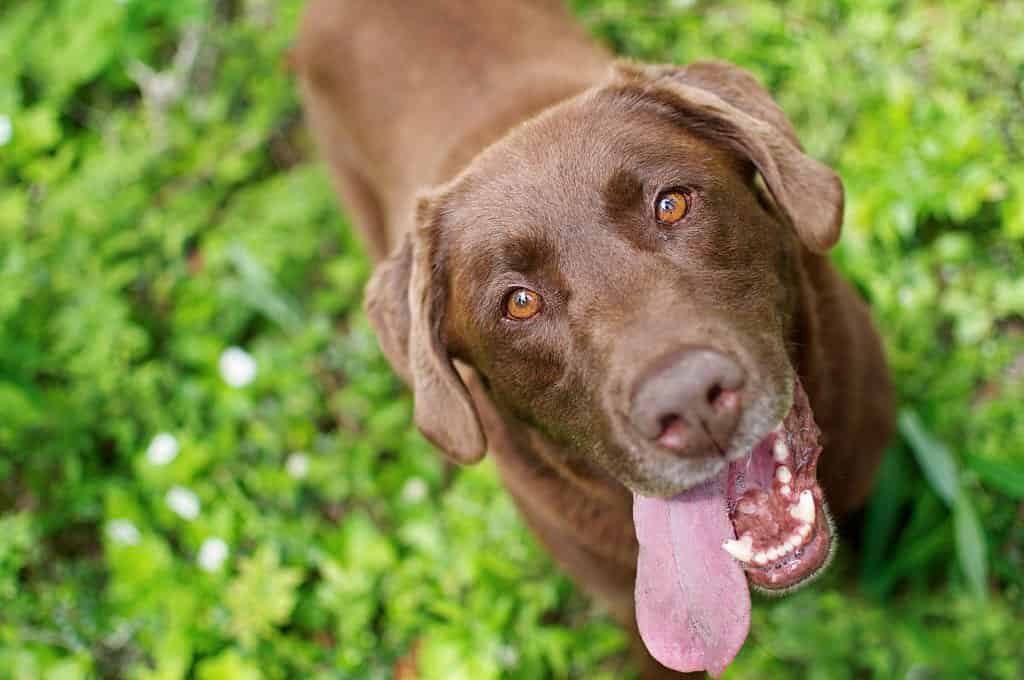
{"type": "Point", "coordinates": [690, 402]}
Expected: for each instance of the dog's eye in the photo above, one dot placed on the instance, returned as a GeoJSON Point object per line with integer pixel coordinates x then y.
{"type": "Point", "coordinates": [671, 206]}
{"type": "Point", "coordinates": [522, 303]}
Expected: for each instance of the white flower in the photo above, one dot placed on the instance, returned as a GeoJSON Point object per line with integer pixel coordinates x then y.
{"type": "Point", "coordinates": [212, 554]}
{"type": "Point", "coordinates": [184, 502]}
{"type": "Point", "coordinates": [163, 449]}
{"type": "Point", "coordinates": [237, 367]}
{"type": "Point", "coordinates": [6, 129]}
{"type": "Point", "coordinates": [414, 490]}
{"type": "Point", "coordinates": [123, 531]}
{"type": "Point", "coordinates": [297, 465]}
{"type": "Point", "coordinates": [507, 656]}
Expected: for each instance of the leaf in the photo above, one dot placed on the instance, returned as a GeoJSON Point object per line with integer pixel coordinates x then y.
{"type": "Point", "coordinates": [75, 668]}
{"type": "Point", "coordinates": [971, 546]}
{"type": "Point", "coordinates": [1004, 476]}
{"type": "Point", "coordinates": [911, 557]}
{"type": "Point", "coordinates": [883, 512]}
{"type": "Point", "coordinates": [228, 665]}
{"type": "Point", "coordinates": [367, 548]}
{"type": "Point", "coordinates": [262, 596]}
{"type": "Point", "coordinates": [171, 652]}
{"type": "Point", "coordinates": [934, 458]}
{"type": "Point", "coordinates": [259, 290]}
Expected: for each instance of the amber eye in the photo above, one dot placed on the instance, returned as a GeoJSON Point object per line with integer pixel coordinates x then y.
{"type": "Point", "coordinates": [522, 303]}
{"type": "Point", "coordinates": [671, 206]}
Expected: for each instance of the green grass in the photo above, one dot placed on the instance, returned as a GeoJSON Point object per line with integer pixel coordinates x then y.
{"type": "Point", "coordinates": [143, 235]}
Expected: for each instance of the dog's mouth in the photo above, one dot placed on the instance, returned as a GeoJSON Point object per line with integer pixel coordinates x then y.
{"type": "Point", "coordinates": [762, 518]}
{"type": "Point", "coordinates": [778, 512]}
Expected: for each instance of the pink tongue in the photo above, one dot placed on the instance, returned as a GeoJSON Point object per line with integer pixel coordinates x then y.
{"type": "Point", "coordinates": [692, 601]}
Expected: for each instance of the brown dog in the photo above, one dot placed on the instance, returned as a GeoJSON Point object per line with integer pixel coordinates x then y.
{"type": "Point", "coordinates": [626, 264]}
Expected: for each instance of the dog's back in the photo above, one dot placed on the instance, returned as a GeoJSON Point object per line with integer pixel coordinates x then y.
{"type": "Point", "coordinates": [466, 71]}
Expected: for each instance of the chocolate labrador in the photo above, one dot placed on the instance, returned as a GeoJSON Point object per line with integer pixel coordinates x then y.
{"type": "Point", "coordinates": [612, 277]}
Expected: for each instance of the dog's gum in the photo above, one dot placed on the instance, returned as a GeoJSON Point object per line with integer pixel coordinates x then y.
{"type": "Point", "coordinates": [770, 522]}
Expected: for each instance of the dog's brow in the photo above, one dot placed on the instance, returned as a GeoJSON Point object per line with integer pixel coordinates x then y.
{"type": "Point", "coordinates": [622, 193]}
{"type": "Point", "coordinates": [623, 197]}
{"type": "Point", "coordinates": [524, 252]}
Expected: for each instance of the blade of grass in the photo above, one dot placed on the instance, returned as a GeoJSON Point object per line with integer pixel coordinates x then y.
{"type": "Point", "coordinates": [927, 523]}
{"type": "Point", "coordinates": [934, 458]}
{"type": "Point", "coordinates": [926, 512]}
{"type": "Point", "coordinates": [1007, 478]}
{"type": "Point", "coordinates": [887, 504]}
{"type": "Point", "coordinates": [939, 468]}
{"type": "Point", "coordinates": [908, 559]}
{"type": "Point", "coordinates": [971, 546]}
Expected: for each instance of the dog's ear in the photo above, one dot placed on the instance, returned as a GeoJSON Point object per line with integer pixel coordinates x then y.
{"type": "Point", "coordinates": [727, 104]}
{"type": "Point", "coordinates": [405, 301]}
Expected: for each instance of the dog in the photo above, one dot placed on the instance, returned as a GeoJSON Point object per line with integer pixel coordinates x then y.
{"type": "Point", "coordinates": [613, 278]}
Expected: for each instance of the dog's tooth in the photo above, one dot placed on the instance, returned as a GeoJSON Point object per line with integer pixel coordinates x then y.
{"type": "Point", "coordinates": [792, 542]}
{"type": "Point", "coordinates": [785, 490]}
{"type": "Point", "coordinates": [803, 510]}
{"type": "Point", "coordinates": [783, 474]}
{"type": "Point", "coordinates": [773, 553]}
{"type": "Point", "coordinates": [742, 549]}
{"type": "Point", "coordinates": [804, 530]}
{"type": "Point", "coordinates": [761, 558]}
{"type": "Point", "coordinates": [781, 451]}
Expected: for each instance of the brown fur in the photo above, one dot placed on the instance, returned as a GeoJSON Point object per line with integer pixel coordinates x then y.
{"type": "Point", "coordinates": [542, 159]}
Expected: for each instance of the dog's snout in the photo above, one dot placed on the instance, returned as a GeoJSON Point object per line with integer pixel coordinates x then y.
{"type": "Point", "coordinates": [690, 402]}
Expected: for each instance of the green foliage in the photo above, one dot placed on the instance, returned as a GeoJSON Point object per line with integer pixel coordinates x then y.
{"type": "Point", "coordinates": [157, 209]}
{"type": "Point", "coordinates": [262, 596]}
{"type": "Point", "coordinates": [939, 469]}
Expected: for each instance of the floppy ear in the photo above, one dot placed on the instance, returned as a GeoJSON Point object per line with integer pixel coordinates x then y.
{"type": "Point", "coordinates": [725, 103]}
{"type": "Point", "coordinates": [405, 301]}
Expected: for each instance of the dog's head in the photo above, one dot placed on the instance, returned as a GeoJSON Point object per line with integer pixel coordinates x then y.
{"type": "Point", "coordinates": [621, 271]}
